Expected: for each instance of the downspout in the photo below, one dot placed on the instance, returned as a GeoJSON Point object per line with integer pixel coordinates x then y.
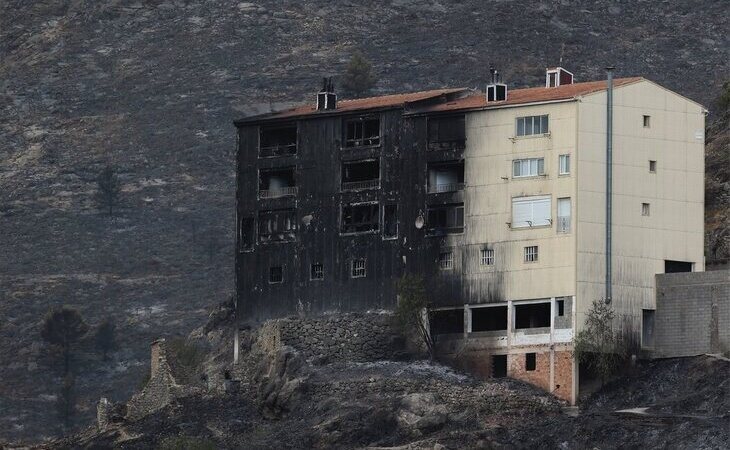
{"type": "Point", "coordinates": [609, 178]}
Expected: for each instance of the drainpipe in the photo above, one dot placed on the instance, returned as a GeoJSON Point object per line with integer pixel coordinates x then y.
{"type": "Point", "coordinates": [609, 177]}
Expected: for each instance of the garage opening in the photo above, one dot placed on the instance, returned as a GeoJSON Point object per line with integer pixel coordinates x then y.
{"type": "Point", "coordinates": [446, 321]}
{"type": "Point", "coordinates": [533, 315]}
{"type": "Point", "coordinates": [493, 318]}
{"type": "Point", "coordinates": [499, 366]}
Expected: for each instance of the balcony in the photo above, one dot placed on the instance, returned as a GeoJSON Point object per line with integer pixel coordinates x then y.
{"type": "Point", "coordinates": [278, 150]}
{"type": "Point", "coordinates": [445, 177]}
{"type": "Point", "coordinates": [447, 187]}
{"type": "Point", "coordinates": [278, 192]}
{"type": "Point", "coordinates": [359, 185]}
{"type": "Point", "coordinates": [360, 175]}
{"type": "Point", "coordinates": [277, 183]}
{"type": "Point", "coordinates": [279, 140]}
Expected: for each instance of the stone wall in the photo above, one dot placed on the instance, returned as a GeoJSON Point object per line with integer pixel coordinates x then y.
{"type": "Point", "coordinates": [355, 337]}
{"type": "Point", "coordinates": [692, 314]}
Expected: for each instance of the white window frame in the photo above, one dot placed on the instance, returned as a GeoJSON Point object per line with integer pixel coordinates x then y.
{"type": "Point", "coordinates": [564, 164]}
{"type": "Point", "coordinates": [447, 262]}
{"type": "Point", "coordinates": [358, 268]}
{"type": "Point", "coordinates": [486, 257]}
{"type": "Point", "coordinates": [532, 222]}
{"type": "Point", "coordinates": [538, 164]}
{"type": "Point", "coordinates": [525, 123]}
{"type": "Point", "coordinates": [563, 224]}
{"type": "Point", "coordinates": [531, 254]}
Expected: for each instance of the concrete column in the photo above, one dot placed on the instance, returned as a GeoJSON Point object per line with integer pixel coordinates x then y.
{"type": "Point", "coordinates": [236, 344]}
{"type": "Point", "coordinates": [574, 387]}
{"type": "Point", "coordinates": [552, 344]}
{"type": "Point", "coordinates": [467, 320]}
{"type": "Point", "coordinates": [510, 325]}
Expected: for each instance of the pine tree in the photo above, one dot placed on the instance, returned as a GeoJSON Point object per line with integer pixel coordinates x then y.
{"type": "Point", "coordinates": [62, 327]}
{"type": "Point", "coordinates": [108, 190]}
{"type": "Point", "coordinates": [66, 401]}
{"type": "Point", "coordinates": [358, 78]}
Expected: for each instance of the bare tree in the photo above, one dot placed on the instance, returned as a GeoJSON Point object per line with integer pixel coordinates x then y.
{"type": "Point", "coordinates": [411, 312]}
{"type": "Point", "coordinates": [108, 190]}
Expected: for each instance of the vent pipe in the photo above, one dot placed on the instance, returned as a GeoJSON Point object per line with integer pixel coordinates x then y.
{"type": "Point", "coordinates": [609, 178]}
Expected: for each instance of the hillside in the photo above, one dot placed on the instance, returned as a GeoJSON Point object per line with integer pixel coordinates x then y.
{"type": "Point", "coordinates": [151, 87]}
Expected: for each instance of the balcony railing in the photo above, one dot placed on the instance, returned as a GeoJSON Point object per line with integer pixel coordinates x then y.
{"type": "Point", "coordinates": [278, 192]}
{"type": "Point", "coordinates": [457, 144]}
{"type": "Point", "coordinates": [563, 224]}
{"type": "Point", "coordinates": [449, 187]}
{"type": "Point", "coordinates": [278, 150]}
{"type": "Point", "coordinates": [357, 185]}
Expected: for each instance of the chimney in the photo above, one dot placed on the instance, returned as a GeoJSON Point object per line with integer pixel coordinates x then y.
{"type": "Point", "coordinates": [557, 76]}
{"type": "Point", "coordinates": [326, 98]}
{"type": "Point", "coordinates": [496, 90]}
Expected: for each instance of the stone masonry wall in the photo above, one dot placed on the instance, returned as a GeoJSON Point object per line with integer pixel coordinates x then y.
{"type": "Point", "coordinates": [692, 314]}
{"type": "Point", "coordinates": [356, 337]}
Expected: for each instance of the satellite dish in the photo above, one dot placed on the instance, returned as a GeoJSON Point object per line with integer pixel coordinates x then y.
{"type": "Point", "coordinates": [419, 221]}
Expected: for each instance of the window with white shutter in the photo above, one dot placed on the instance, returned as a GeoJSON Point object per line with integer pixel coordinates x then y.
{"type": "Point", "coordinates": [532, 211]}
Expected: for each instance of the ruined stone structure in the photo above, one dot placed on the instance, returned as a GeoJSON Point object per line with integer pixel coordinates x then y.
{"type": "Point", "coordinates": [497, 199]}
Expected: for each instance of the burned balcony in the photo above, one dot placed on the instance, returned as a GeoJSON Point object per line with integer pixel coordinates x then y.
{"type": "Point", "coordinates": [277, 183]}
{"type": "Point", "coordinates": [445, 177]}
{"type": "Point", "coordinates": [358, 175]}
{"type": "Point", "coordinates": [446, 133]}
{"type": "Point", "coordinates": [277, 225]}
{"type": "Point", "coordinates": [278, 140]}
{"type": "Point", "coordinates": [359, 218]}
{"type": "Point", "coordinates": [362, 132]}
{"type": "Point", "coordinates": [446, 219]}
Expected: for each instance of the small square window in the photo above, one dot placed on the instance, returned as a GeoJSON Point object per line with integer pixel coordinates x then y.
{"type": "Point", "coordinates": [645, 209]}
{"type": "Point", "coordinates": [487, 257]}
{"type": "Point", "coordinates": [530, 361]}
{"type": "Point", "coordinates": [561, 307]}
{"type": "Point", "coordinates": [531, 253]}
{"type": "Point", "coordinates": [446, 260]}
{"type": "Point", "coordinates": [316, 272]}
{"type": "Point", "coordinates": [276, 274]}
{"type": "Point", "coordinates": [357, 269]}
{"type": "Point", "coordinates": [647, 121]}
{"type": "Point", "coordinates": [652, 166]}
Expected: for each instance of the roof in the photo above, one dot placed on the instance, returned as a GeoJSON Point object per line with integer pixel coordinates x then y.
{"type": "Point", "coordinates": [529, 95]}
{"type": "Point", "coordinates": [476, 100]}
{"type": "Point", "coordinates": [360, 104]}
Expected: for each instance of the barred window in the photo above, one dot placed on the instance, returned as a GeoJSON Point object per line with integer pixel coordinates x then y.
{"type": "Point", "coordinates": [316, 272]}
{"type": "Point", "coordinates": [487, 257]}
{"type": "Point", "coordinates": [357, 269]}
{"type": "Point", "coordinates": [531, 253]}
{"type": "Point", "coordinates": [446, 260]}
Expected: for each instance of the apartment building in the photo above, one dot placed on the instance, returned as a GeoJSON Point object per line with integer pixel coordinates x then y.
{"type": "Point", "coordinates": [497, 199]}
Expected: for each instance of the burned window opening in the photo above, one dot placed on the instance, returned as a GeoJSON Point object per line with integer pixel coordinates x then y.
{"type": "Point", "coordinates": [277, 183]}
{"type": "Point", "coordinates": [492, 318]}
{"type": "Point", "coordinates": [390, 221]}
{"type": "Point", "coordinates": [359, 218]}
{"type": "Point", "coordinates": [361, 175]}
{"type": "Point", "coordinates": [276, 274]}
{"type": "Point", "coordinates": [446, 177]}
{"type": "Point", "coordinates": [532, 315]}
{"type": "Point", "coordinates": [277, 140]}
{"type": "Point", "coordinates": [449, 132]}
{"type": "Point", "coordinates": [499, 366]}
{"type": "Point", "coordinates": [316, 272]}
{"type": "Point", "coordinates": [358, 269]}
{"type": "Point", "coordinates": [362, 132]}
{"type": "Point", "coordinates": [277, 225]}
{"type": "Point", "coordinates": [530, 361]}
{"type": "Point", "coordinates": [248, 235]}
{"type": "Point", "coordinates": [446, 260]}
{"type": "Point", "coordinates": [446, 219]}
{"type": "Point", "coordinates": [446, 321]}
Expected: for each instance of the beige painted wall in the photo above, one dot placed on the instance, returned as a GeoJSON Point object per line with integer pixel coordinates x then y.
{"type": "Point", "coordinates": [674, 229]}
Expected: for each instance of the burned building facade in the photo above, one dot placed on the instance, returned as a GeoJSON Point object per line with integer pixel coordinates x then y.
{"type": "Point", "coordinates": [496, 199]}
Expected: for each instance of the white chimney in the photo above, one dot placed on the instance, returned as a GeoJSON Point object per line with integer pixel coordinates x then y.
{"type": "Point", "coordinates": [557, 76]}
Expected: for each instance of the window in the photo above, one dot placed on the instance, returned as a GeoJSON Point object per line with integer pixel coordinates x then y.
{"type": "Point", "coordinates": [277, 225]}
{"type": "Point", "coordinates": [531, 253]}
{"type": "Point", "coordinates": [358, 218]}
{"type": "Point", "coordinates": [652, 166]}
{"type": "Point", "coordinates": [486, 257]}
{"type": "Point", "coordinates": [390, 222]}
{"type": "Point", "coordinates": [446, 260]}
{"type": "Point", "coordinates": [362, 132]}
{"type": "Point", "coordinates": [647, 121]}
{"type": "Point", "coordinates": [645, 209]}
{"type": "Point", "coordinates": [316, 272]}
{"type": "Point", "coordinates": [491, 318]}
{"type": "Point", "coordinates": [564, 164]}
{"type": "Point", "coordinates": [277, 183]}
{"type": "Point", "coordinates": [564, 215]}
{"type": "Point", "coordinates": [446, 177]}
{"type": "Point", "coordinates": [357, 268]}
{"type": "Point", "coordinates": [360, 175]}
{"type": "Point", "coordinates": [248, 234]}
{"type": "Point", "coordinates": [561, 307]}
{"type": "Point", "coordinates": [677, 266]}
{"type": "Point", "coordinates": [446, 321]}
{"type": "Point", "coordinates": [647, 328]}
{"type": "Point", "coordinates": [530, 361]}
{"type": "Point", "coordinates": [530, 167]}
{"type": "Point", "coordinates": [276, 274]}
{"type": "Point", "coordinates": [530, 125]}
{"type": "Point", "coordinates": [532, 315]}
{"type": "Point", "coordinates": [447, 130]}
{"type": "Point", "coordinates": [278, 140]}
{"type": "Point", "coordinates": [531, 211]}
{"type": "Point", "coordinates": [446, 218]}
